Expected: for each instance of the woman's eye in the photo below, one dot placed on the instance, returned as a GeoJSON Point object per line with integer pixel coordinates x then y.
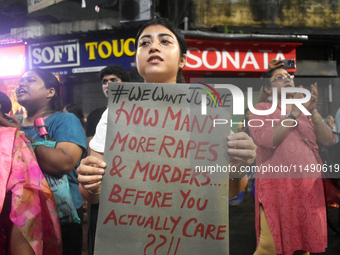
{"type": "Point", "coordinates": [143, 43]}
{"type": "Point", "coordinates": [164, 41]}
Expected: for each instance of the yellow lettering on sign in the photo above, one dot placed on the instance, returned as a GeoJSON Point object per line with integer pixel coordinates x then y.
{"type": "Point", "coordinates": [101, 52]}
{"type": "Point", "coordinates": [90, 48]}
{"type": "Point", "coordinates": [105, 49]}
{"type": "Point", "coordinates": [127, 48]}
{"type": "Point", "coordinates": [116, 53]}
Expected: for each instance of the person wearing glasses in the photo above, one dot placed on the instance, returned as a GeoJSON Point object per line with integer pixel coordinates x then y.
{"type": "Point", "coordinates": [111, 73]}
{"type": "Point", "coordinates": [290, 202]}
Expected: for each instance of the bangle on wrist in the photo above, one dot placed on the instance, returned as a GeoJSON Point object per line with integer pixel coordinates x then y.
{"type": "Point", "coordinates": [93, 193]}
{"type": "Point", "coordinates": [239, 177]}
{"type": "Point", "coordinates": [317, 117]}
{"type": "Point", "coordinates": [318, 123]}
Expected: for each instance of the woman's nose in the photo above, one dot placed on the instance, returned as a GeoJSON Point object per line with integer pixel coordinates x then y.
{"type": "Point", "coordinates": [22, 81]}
{"type": "Point", "coordinates": [153, 48]}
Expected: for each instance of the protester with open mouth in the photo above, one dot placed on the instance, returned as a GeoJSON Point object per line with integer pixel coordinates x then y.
{"type": "Point", "coordinates": [39, 93]}
{"type": "Point", "coordinates": [290, 207]}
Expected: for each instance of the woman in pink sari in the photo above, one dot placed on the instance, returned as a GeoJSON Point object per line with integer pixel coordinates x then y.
{"type": "Point", "coordinates": [28, 217]}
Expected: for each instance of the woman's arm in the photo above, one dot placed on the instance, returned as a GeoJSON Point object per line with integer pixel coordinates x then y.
{"type": "Point", "coordinates": [324, 133]}
{"type": "Point", "coordinates": [19, 244]}
{"type": "Point", "coordinates": [5, 121]}
{"type": "Point", "coordinates": [280, 132]}
{"type": "Point", "coordinates": [236, 186]}
{"type": "Point", "coordinates": [242, 152]}
{"type": "Point", "coordinates": [59, 160]}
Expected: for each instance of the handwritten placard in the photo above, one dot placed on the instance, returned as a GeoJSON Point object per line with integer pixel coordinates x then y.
{"type": "Point", "coordinates": [165, 190]}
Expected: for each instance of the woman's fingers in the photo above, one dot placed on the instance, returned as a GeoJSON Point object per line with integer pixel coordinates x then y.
{"type": "Point", "coordinates": [242, 148]}
{"type": "Point", "coordinates": [90, 172]}
{"type": "Point", "coordinates": [91, 186]}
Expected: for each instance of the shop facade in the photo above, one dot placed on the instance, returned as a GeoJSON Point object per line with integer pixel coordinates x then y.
{"type": "Point", "coordinates": [77, 59]}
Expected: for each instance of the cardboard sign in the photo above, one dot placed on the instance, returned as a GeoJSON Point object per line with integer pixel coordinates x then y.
{"type": "Point", "coordinates": [159, 195]}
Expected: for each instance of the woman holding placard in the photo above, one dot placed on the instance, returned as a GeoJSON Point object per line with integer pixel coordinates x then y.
{"type": "Point", "coordinates": [160, 57]}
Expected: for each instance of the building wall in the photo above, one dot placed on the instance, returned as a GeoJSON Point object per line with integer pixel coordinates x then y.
{"type": "Point", "coordinates": [256, 13]}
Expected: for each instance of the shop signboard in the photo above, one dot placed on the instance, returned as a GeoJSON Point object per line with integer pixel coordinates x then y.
{"type": "Point", "coordinates": [59, 54]}
{"type": "Point", "coordinates": [236, 56]}
{"type": "Point", "coordinates": [82, 55]}
{"type": "Point", "coordinates": [86, 54]}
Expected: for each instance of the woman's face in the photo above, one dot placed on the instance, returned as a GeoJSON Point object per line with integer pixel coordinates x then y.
{"type": "Point", "coordinates": [282, 79]}
{"type": "Point", "coordinates": [32, 90]}
{"type": "Point", "coordinates": [158, 55]}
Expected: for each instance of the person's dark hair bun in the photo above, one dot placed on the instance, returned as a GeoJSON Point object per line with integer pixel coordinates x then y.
{"type": "Point", "coordinates": [6, 104]}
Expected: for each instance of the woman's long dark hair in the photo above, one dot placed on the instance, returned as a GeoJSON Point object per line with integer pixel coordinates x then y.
{"type": "Point", "coordinates": [50, 81]}
{"type": "Point", "coordinates": [180, 38]}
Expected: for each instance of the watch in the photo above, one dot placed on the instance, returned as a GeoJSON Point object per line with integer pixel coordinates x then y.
{"type": "Point", "coordinates": [290, 115]}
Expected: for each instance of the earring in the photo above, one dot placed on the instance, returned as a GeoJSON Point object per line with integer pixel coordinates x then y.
{"type": "Point", "coordinates": [269, 98]}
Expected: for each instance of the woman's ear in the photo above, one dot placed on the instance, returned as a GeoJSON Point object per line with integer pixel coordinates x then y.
{"type": "Point", "coordinates": [182, 61]}
{"type": "Point", "coordinates": [51, 93]}
{"type": "Point", "coordinates": [267, 90]}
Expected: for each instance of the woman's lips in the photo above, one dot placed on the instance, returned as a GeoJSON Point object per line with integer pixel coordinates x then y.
{"type": "Point", "coordinates": [21, 92]}
{"type": "Point", "coordinates": [154, 59]}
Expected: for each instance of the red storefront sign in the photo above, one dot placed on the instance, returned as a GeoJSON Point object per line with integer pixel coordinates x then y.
{"type": "Point", "coordinates": [236, 56]}
{"type": "Point", "coordinates": [12, 61]}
